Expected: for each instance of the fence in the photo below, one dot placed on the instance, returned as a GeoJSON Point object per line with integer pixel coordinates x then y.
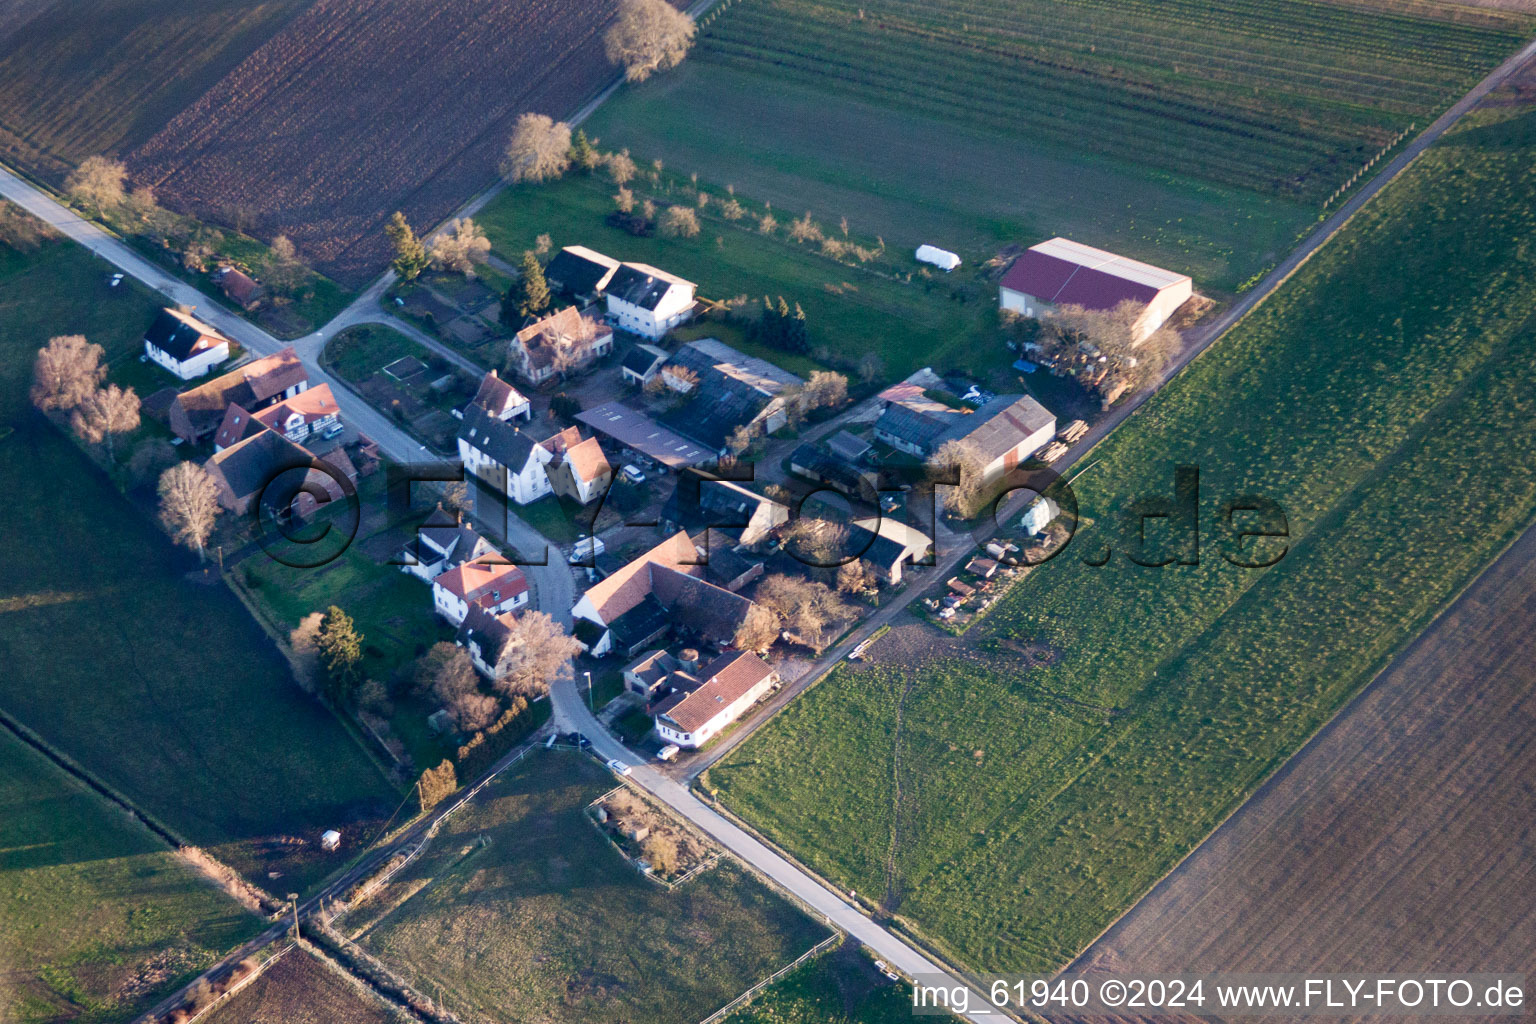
{"type": "Point", "coordinates": [746, 997]}
{"type": "Point", "coordinates": [1389, 147]}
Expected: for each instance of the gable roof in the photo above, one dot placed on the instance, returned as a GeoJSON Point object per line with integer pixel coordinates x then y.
{"type": "Point", "coordinates": [239, 285]}
{"type": "Point", "coordinates": [626, 587]}
{"type": "Point", "coordinates": [181, 335]}
{"type": "Point", "coordinates": [496, 396]}
{"type": "Point", "coordinates": [642, 360]}
{"type": "Point", "coordinates": [312, 403]}
{"type": "Point", "coordinates": [482, 582]}
{"type": "Point", "coordinates": [733, 389]}
{"type": "Point", "coordinates": [565, 324]}
{"type": "Point", "coordinates": [1063, 272]}
{"type": "Point", "coordinates": [488, 632]}
{"type": "Point", "coordinates": [504, 442]}
{"type": "Point", "coordinates": [236, 426]}
{"type": "Point", "coordinates": [636, 430]}
{"type": "Point", "coordinates": [848, 446]}
{"type": "Point", "coordinates": [587, 460]}
{"type": "Point", "coordinates": [249, 465]}
{"type": "Point", "coordinates": [578, 270]}
{"type": "Point", "coordinates": [723, 682]}
{"type": "Point", "coordinates": [1000, 425]}
{"type": "Point", "coordinates": [641, 284]}
{"type": "Point", "coordinates": [251, 385]}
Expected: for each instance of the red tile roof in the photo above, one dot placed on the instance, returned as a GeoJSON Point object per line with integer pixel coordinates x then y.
{"type": "Point", "coordinates": [477, 583]}
{"type": "Point", "coordinates": [725, 680]}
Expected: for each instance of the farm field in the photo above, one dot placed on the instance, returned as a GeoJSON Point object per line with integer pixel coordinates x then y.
{"type": "Point", "coordinates": [73, 86]}
{"type": "Point", "coordinates": [1015, 809]}
{"type": "Point", "coordinates": [1293, 882]}
{"type": "Point", "coordinates": [431, 92]}
{"type": "Point", "coordinates": [302, 989]}
{"type": "Point", "coordinates": [98, 917]}
{"type": "Point", "coordinates": [521, 910]}
{"type": "Point", "coordinates": [1200, 138]}
{"type": "Point", "coordinates": [166, 689]}
{"type": "Point", "coordinates": [849, 310]}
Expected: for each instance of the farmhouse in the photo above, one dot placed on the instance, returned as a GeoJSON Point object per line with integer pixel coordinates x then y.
{"type": "Point", "coordinates": [503, 455]}
{"type": "Point", "coordinates": [198, 412]}
{"type": "Point", "coordinates": [443, 542]}
{"type": "Point", "coordinates": [637, 431]}
{"type": "Point", "coordinates": [733, 391]}
{"type": "Point", "coordinates": [269, 466]}
{"type": "Point", "coordinates": [580, 273]}
{"type": "Point", "coordinates": [700, 705]}
{"type": "Point", "coordinates": [493, 587]}
{"type": "Point", "coordinates": [580, 471]}
{"type": "Point", "coordinates": [1006, 430]}
{"type": "Point", "coordinates": [311, 411]}
{"type": "Point", "coordinates": [641, 364]}
{"type": "Point", "coordinates": [183, 344]}
{"type": "Point", "coordinates": [1061, 272]}
{"type": "Point", "coordinates": [561, 343]}
{"type": "Point", "coordinates": [647, 301]}
{"type": "Point", "coordinates": [701, 501]}
{"type": "Point", "coordinates": [501, 399]}
{"type": "Point", "coordinates": [640, 601]}
{"type": "Point", "coordinates": [485, 636]}
{"type": "Point", "coordinates": [239, 287]}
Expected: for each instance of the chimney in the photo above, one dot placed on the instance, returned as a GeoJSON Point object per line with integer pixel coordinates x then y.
{"type": "Point", "coordinates": [493, 372]}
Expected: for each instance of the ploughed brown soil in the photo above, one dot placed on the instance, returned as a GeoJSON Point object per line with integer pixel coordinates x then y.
{"type": "Point", "coordinates": [361, 107]}
{"type": "Point", "coordinates": [1402, 839]}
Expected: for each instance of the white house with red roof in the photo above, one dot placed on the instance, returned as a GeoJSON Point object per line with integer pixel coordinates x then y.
{"type": "Point", "coordinates": [1061, 272]}
{"type": "Point", "coordinates": [492, 587]}
{"type": "Point", "coordinates": [702, 704]}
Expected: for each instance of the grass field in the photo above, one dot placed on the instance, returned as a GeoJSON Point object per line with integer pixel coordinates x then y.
{"type": "Point", "coordinates": [521, 910]}
{"type": "Point", "coordinates": [848, 310]}
{"type": "Point", "coordinates": [1200, 138]}
{"type": "Point", "coordinates": [98, 917]}
{"type": "Point", "coordinates": [1383, 397]}
{"type": "Point", "coordinates": [162, 686]}
{"type": "Point", "coordinates": [1293, 882]}
{"type": "Point", "coordinates": [841, 987]}
{"type": "Point", "coordinates": [302, 989]}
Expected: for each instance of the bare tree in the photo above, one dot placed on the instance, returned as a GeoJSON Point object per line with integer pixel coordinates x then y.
{"type": "Point", "coordinates": [732, 210]}
{"type": "Point", "coordinates": [660, 852]}
{"type": "Point", "coordinates": [812, 612]}
{"type": "Point", "coordinates": [536, 652]}
{"type": "Point", "coordinates": [767, 224]}
{"type": "Point", "coordinates": [304, 642]}
{"type": "Point", "coordinates": [66, 372]}
{"type": "Point", "coordinates": [104, 414]}
{"type": "Point", "coordinates": [817, 542]}
{"type": "Point", "coordinates": [447, 673]}
{"type": "Point", "coordinates": [854, 579]}
{"type": "Point", "coordinates": [284, 271]}
{"type": "Point", "coordinates": [539, 150]}
{"type": "Point", "coordinates": [624, 200]}
{"type": "Point", "coordinates": [461, 247]}
{"type": "Point", "coordinates": [621, 168]}
{"type": "Point", "coordinates": [805, 229]}
{"type": "Point", "coordinates": [679, 222]}
{"type": "Point", "coordinates": [99, 183]}
{"type": "Point", "coordinates": [649, 36]}
{"type": "Point", "coordinates": [758, 630]}
{"type": "Point", "coordinates": [871, 366]}
{"type": "Point", "coordinates": [149, 459]}
{"type": "Point", "coordinates": [189, 505]}
{"type": "Point", "coordinates": [1107, 345]}
{"type": "Point", "coordinates": [964, 498]}
{"type": "Point", "coordinates": [740, 439]}
{"type": "Point", "coordinates": [826, 389]}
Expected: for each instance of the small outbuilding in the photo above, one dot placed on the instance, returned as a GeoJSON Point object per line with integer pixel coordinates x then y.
{"type": "Point", "coordinates": [330, 839]}
{"type": "Point", "coordinates": [941, 258]}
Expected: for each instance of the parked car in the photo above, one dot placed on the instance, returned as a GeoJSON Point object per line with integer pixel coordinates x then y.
{"type": "Point", "coordinates": [633, 474]}
{"type": "Point", "coordinates": [333, 431]}
{"type": "Point", "coordinates": [668, 752]}
{"type": "Point", "coordinates": [618, 767]}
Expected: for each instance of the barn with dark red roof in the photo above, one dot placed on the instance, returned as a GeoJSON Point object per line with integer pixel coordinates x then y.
{"type": "Point", "coordinates": [1061, 272]}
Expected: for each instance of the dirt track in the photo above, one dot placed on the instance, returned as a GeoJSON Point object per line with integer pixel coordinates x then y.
{"type": "Point", "coordinates": [1401, 838]}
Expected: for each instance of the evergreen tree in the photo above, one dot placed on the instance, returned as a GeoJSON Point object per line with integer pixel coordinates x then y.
{"type": "Point", "coordinates": [798, 333]}
{"type": "Point", "coordinates": [583, 153]}
{"type": "Point", "coordinates": [341, 653]}
{"type": "Point", "coordinates": [410, 255]}
{"type": "Point", "coordinates": [533, 289]}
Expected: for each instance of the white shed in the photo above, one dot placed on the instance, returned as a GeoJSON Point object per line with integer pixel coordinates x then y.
{"type": "Point", "coordinates": [330, 839]}
{"type": "Point", "coordinates": [941, 258]}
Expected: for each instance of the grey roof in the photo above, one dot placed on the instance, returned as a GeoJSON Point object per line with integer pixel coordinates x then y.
{"type": "Point", "coordinates": [638, 431]}
{"type": "Point", "coordinates": [574, 270]}
{"type": "Point", "coordinates": [847, 446]}
{"type": "Point", "coordinates": [260, 459]}
{"type": "Point", "coordinates": [733, 389]}
{"type": "Point", "coordinates": [1001, 424]}
{"type": "Point", "coordinates": [501, 440]}
{"type": "Point", "coordinates": [641, 625]}
{"type": "Point", "coordinates": [642, 359]}
{"type": "Point", "coordinates": [921, 427]}
{"type": "Point", "coordinates": [810, 460]}
{"type": "Point", "coordinates": [176, 333]}
{"type": "Point", "coordinates": [640, 285]}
